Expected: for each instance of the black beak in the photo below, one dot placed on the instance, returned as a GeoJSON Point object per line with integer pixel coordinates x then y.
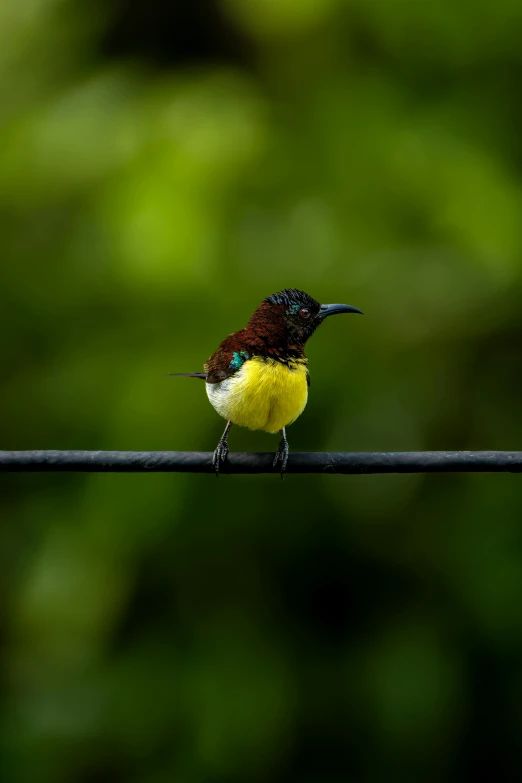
{"type": "Point", "coordinates": [335, 309]}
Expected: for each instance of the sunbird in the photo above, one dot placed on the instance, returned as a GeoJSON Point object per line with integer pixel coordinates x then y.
{"type": "Point", "coordinates": [258, 377]}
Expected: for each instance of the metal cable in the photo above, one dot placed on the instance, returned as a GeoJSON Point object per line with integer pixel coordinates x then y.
{"type": "Point", "coordinates": [241, 462]}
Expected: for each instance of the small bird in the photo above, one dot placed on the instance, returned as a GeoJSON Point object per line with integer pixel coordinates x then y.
{"type": "Point", "coordinates": [258, 377]}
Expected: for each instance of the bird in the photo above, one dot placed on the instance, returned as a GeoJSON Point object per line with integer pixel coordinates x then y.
{"type": "Point", "coordinates": [258, 377]}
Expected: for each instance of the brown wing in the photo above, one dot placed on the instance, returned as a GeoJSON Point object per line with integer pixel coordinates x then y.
{"type": "Point", "coordinates": [226, 360]}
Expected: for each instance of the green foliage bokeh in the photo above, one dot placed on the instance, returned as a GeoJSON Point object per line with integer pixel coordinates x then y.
{"type": "Point", "coordinates": [179, 629]}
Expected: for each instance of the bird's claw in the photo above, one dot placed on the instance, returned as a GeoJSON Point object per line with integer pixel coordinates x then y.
{"type": "Point", "coordinates": [281, 457]}
{"type": "Point", "coordinates": [220, 455]}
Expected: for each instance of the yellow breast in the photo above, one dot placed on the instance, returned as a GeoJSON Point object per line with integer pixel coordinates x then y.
{"type": "Point", "coordinates": [263, 394]}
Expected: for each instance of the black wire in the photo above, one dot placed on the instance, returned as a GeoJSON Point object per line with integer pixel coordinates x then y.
{"type": "Point", "coordinates": [298, 462]}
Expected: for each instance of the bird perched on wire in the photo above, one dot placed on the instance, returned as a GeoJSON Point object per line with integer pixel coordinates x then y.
{"type": "Point", "coordinates": [258, 377]}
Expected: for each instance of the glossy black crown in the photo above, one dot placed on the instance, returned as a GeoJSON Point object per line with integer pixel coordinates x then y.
{"type": "Point", "coordinates": [291, 296]}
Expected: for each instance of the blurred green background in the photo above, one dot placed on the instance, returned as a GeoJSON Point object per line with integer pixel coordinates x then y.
{"type": "Point", "coordinates": [163, 167]}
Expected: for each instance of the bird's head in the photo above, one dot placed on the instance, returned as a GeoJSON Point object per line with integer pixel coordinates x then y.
{"type": "Point", "coordinates": [292, 316]}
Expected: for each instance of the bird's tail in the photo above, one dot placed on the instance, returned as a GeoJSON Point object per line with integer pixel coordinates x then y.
{"type": "Point", "coordinates": [202, 375]}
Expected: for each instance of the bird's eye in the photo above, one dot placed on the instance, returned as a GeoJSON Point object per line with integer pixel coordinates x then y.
{"type": "Point", "coordinates": [305, 312]}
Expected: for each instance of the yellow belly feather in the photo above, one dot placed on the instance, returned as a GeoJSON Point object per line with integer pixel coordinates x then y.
{"type": "Point", "coordinates": [262, 395]}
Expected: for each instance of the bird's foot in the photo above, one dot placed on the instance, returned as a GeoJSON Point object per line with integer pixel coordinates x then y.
{"type": "Point", "coordinates": [220, 454]}
{"type": "Point", "coordinates": [282, 456]}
